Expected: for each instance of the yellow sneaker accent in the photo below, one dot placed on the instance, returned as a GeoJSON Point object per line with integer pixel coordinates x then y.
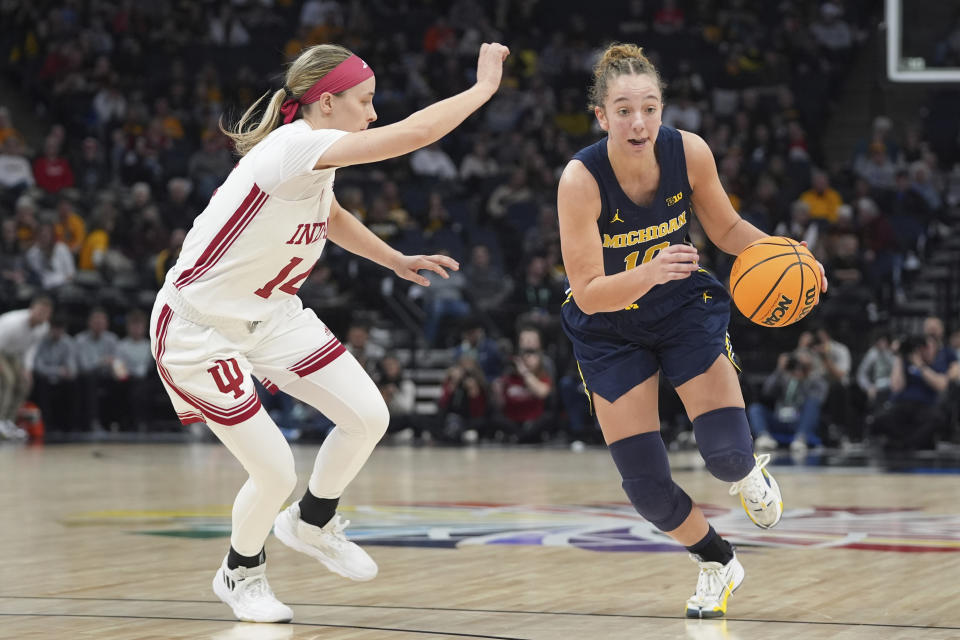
{"type": "Point", "coordinates": [760, 495]}
{"type": "Point", "coordinates": [714, 586]}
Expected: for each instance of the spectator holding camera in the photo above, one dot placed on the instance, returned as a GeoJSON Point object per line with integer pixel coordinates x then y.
{"type": "Point", "coordinates": [832, 361]}
{"type": "Point", "coordinates": [521, 395]}
{"type": "Point", "coordinates": [914, 415]}
{"type": "Point", "coordinates": [463, 403]}
{"type": "Point", "coordinates": [796, 395]}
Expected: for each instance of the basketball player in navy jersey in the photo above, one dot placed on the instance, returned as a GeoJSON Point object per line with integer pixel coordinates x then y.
{"type": "Point", "coordinates": [640, 304]}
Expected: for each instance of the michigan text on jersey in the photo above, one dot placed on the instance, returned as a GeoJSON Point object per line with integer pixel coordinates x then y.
{"type": "Point", "coordinates": [638, 236]}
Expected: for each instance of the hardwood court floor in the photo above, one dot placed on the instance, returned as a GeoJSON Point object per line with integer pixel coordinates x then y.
{"type": "Point", "coordinates": [121, 541]}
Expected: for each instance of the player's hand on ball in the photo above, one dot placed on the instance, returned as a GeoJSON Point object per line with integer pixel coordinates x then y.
{"type": "Point", "coordinates": [407, 267]}
{"type": "Point", "coordinates": [823, 274]}
{"type": "Point", "coordinates": [675, 262]}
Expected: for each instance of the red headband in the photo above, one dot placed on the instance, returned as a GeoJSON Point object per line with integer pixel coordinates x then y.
{"type": "Point", "coordinates": [348, 73]}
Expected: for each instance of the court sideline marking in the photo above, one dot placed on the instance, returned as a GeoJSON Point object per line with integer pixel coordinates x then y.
{"type": "Point", "coordinates": [302, 624]}
{"type": "Point", "coordinates": [466, 610]}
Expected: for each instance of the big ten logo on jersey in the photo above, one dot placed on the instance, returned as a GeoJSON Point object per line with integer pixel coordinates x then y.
{"type": "Point", "coordinates": [308, 233]}
{"type": "Point", "coordinates": [228, 376]}
{"type": "Point", "coordinates": [672, 200]}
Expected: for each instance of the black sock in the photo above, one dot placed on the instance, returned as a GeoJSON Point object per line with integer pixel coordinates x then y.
{"type": "Point", "coordinates": [317, 511]}
{"type": "Point", "coordinates": [235, 560]}
{"type": "Point", "coordinates": [713, 548]}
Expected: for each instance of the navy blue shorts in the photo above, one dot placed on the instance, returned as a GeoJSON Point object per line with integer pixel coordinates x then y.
{"type": "Point", "coordinates": [680, 333]}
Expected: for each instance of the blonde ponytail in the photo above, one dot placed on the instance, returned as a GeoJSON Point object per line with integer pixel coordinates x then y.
{"type": "Point", "coordinates": [311, 65]}
{"type": "Point", "coordinates": [619, 60]}
{"type": "Point", "coordinates": [247, 133]}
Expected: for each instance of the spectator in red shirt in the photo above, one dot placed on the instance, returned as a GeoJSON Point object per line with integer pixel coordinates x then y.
{"type": "Point", "coordinates": [669, 18]}
{"type": "Point", "coordinates": [522, 394]}
{"type": "Point", "coordinates": [463, 403]}
{"type": "Point", "coordinates": [51, 171]}
{"type": "Point", "coordinates": [439, 37]}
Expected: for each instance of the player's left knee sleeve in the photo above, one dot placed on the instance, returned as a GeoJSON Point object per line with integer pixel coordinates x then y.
{"type": "Point", "coordinates": [643, 465]}
{"type": "Point", "coordinates": [723, 437]}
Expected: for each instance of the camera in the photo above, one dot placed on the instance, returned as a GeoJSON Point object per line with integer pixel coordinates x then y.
{"type": "Point", "coordinates": [913, 343]}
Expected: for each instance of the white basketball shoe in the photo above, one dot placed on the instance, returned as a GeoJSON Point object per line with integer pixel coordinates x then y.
{"type": "Point", "coordinates": [327, 544]}
{"type": "Point", "coordinates": [714, 585]}
{"type": "Point", "coordinates": [10, 431]}
{"type": "Point", "coordinates": [760, 494]}
{"type": "Point", "coordinates": [247, 592]}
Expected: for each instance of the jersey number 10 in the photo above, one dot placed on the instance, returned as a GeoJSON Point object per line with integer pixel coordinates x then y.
{"type": "Point", "coordinates": [648, 255]}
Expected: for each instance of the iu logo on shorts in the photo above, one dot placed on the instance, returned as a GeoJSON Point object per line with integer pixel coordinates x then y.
{"type": "Point", "coordinates": [227, 375]}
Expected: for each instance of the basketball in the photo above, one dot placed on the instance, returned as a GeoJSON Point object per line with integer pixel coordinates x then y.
{"type": "Point", "coordinates": [775, 281]}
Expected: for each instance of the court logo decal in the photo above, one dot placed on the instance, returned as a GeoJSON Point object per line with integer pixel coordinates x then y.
{"type": "Point", "coordinates": [607, 527]}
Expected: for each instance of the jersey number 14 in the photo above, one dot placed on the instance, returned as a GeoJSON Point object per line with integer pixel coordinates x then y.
{"type": "Point", "coordinates": [290, 285]}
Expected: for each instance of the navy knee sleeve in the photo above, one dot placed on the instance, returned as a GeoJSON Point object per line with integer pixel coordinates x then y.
{"type": "Point", "coordinates": [642, 462]}
{"type": "Point", "coordinates": [723, 437]}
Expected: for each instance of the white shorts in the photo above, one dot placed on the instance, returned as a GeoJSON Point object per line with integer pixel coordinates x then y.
{"type": "Point", "coordinates": [207, 363]}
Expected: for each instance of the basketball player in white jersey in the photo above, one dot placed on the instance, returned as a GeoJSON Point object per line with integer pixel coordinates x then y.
{"type": "Point", "coordinates": [229, 310]}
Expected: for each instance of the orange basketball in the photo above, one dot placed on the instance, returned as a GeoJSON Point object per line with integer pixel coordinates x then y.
{"type": "Point", "coordinates": [775, 281]}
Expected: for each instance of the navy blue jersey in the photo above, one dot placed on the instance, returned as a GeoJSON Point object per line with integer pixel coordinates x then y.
{"type": "Point", "coordinates": [633, 234]}
{"type": "Point", "coordinates": [679, 327]}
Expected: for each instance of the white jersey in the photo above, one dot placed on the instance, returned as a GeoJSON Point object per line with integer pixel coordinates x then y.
{"type": "Point", "coordinates": [263, 230]}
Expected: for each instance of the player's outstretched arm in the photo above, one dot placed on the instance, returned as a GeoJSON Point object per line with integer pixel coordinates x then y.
{"type": "Point", "coordinates": [578, 204]}
{"type": "Point", "coordinates": [719, 219]}
{"type": "Point", "coordinates": [423, 127]}
{"type": "Point", "coordinates": [346, 231]}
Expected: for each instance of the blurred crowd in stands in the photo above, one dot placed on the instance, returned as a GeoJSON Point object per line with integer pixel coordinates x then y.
{"type": "Point", "coordinates": [898, 396]}
{"type": "Point", "coordinates": [124, 99]}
